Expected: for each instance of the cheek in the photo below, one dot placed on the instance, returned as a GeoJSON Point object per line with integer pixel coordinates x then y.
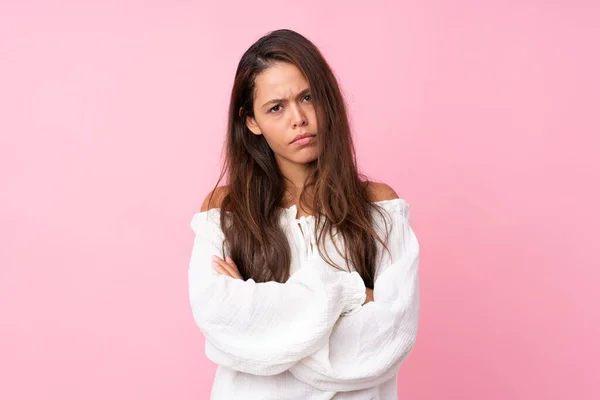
{"type": "Point", "coordinates": [312, 116]}
{"type": "Point", "coordinates": [275, 135]}
{"type": "Point", "coordinates": [273, 141]}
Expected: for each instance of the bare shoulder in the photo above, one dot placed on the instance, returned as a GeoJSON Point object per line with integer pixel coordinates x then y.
{"type": "Point", "coordinates": [214, 198]}
{"type": "Point", "coordinates": [379, 191]}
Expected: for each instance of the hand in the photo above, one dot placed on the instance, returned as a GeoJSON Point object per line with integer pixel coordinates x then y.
{"type": "Point", "coordinates": [369, 296]}
{"type": "Point", "coordinates": [226, 267]}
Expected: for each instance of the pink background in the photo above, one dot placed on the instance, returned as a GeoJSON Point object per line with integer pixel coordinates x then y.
{"type": "Point", "coordinates": [482, 114]}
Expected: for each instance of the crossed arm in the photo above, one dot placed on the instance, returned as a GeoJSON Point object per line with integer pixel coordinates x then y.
{"type": "Point", "coordinates": [264, 328]}
{"type": "Point", "coordinates": [267, 328]}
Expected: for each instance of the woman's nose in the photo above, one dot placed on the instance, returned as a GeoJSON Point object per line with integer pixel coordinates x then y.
{"type": "Point", "coordinates": [299, 118]}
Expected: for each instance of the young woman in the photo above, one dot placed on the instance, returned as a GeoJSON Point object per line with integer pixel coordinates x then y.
{"type": "Point", "coordinates": [304, 274]}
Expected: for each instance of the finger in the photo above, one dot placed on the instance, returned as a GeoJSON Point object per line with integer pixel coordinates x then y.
{"type": "Point", "coordinates": [234, 269]}
{"type": "Point", "coordinates": [220, 270]}
{"type": "Point", "coordinates": [220, 266]}
{"type": "Point", "coordinates": [231, 271]}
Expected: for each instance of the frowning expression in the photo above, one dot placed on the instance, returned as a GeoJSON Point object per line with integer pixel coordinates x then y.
{"type": "Point", "coordinates": [283, 109]}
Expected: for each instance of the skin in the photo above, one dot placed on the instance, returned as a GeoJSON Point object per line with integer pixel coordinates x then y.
{"type": "Point", "coordinates": [280, 121]}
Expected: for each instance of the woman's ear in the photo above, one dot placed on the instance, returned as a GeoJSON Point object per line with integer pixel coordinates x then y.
{"type": "Point", "coordinates": [253, 126]}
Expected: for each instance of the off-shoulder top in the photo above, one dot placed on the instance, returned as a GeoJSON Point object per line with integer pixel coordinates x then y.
{"type": "Point", "coordinates": [310, 337]}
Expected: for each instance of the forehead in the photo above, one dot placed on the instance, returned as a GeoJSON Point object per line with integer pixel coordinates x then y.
{"type": "Point", "coordinates": [280, 80]}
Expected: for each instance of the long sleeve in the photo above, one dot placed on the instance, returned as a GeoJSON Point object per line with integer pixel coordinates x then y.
{"type": "Point", "coordinates": [263, 328]}
{"type": "Point", "coordinates": [367, 347]}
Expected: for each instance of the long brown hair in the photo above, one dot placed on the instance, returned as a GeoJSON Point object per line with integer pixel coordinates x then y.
{"type": "Point", "coordinates": [334, 190]}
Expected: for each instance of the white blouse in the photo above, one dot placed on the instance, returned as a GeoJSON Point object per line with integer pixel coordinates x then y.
{"type": "Point", "coordinates": [310, 337]}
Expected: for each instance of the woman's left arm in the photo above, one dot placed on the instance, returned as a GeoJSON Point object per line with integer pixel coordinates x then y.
{"type": "Point", "coordinates": [366, 348]}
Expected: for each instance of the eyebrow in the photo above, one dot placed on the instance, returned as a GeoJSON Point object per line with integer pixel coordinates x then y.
{"type": "Point", "coordinates": [301, 94]}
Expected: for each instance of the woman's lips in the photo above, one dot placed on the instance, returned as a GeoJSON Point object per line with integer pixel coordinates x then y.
{"type": "Point", "coordinates": [306, 140]}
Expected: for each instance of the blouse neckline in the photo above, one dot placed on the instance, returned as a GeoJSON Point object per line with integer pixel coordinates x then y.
{"type": "Point", "coordinates": [293, 207]}
{"type": "Point", "coordinates": [292, 210]}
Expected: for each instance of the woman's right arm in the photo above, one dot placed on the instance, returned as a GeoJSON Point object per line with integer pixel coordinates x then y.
{"type": "Point", "coordinates": [263, 328]}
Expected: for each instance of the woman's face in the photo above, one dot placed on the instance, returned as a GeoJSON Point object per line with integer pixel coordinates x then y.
{"type": "Point", "coordinates": [283, 109]}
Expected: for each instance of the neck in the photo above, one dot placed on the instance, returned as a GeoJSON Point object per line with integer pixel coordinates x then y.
{"type": "Point", "coordinates": [295, 174]}
{"type": "Point", "coordinates": [295, 177]}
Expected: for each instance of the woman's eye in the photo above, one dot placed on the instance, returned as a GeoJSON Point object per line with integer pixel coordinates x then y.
{"type": "Point", "coordinates": [274, 108]}
{"type": "Point", "coordinates": [308, 95]}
